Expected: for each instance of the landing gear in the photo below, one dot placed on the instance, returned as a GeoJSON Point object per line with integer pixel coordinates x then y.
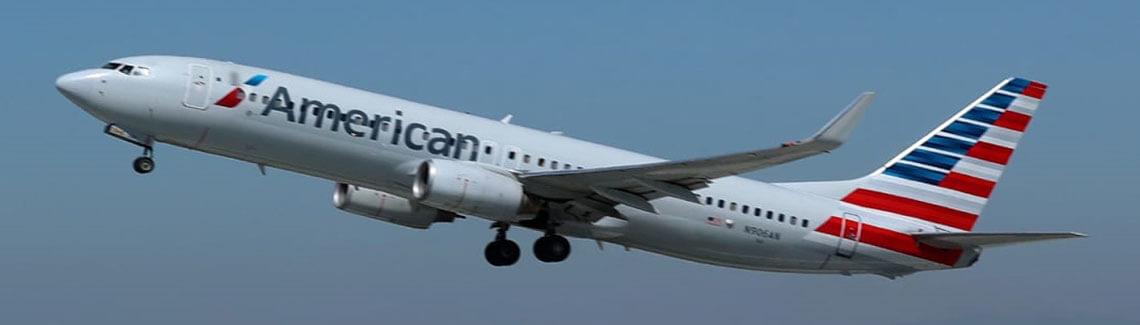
{"type": "Point", "coordinates": [551, 248]}
{"type": "Point", "coordinates": [502, 251]}
{"type": "Point", "coordinates": [145, 163]}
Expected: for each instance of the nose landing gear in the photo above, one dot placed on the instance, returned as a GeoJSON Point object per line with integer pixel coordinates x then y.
{"type": "Point", "coordinates": [144, 164]}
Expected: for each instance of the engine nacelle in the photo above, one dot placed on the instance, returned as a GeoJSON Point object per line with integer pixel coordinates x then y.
{"type": "Point", "coordinates": [387, 207]}
{"type": "Point", "coordinates": [472, 190]}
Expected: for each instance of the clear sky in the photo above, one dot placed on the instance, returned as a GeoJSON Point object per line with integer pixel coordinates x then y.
{"type": "Point", "coordinates": [203, 239]}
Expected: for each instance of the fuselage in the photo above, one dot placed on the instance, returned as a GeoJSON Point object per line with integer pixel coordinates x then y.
{"type": "Point", "coordinates": [376, 141]}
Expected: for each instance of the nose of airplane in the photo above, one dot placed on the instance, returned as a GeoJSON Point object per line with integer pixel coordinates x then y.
{"type": "Point", "coordinates": [73, 85]}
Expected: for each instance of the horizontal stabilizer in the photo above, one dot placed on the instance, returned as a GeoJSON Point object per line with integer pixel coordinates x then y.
{"type": "Point", "coordinates": [964, 240]}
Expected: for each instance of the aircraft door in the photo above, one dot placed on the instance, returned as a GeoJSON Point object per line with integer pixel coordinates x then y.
{"type": "Point", "coordinates": [197, 87]}
{"type": "Point", "coordinates": [850, 229]}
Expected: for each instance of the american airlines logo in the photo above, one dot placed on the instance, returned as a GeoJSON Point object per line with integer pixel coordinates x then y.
{"type": "Point", "coordinates": [376, 127]}
{"type": "Point", "coordinates": [234, 97]}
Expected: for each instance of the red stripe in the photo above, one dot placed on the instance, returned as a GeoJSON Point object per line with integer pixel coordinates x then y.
{"type": "Point", "coordinates": [231, 99]}
{"type": "Point", "coordinates": [912, 208]}
{"type": "Point", "coordinates": [895, 241]}
{"type": "Point", "coordinates": [968, 184]}
{"type": "Point", "coordinates": [1035, 90]}
{"type": "Point", "coordinates": [1013, 121]}
{"type": "Point", "coordinates": [990, 152]}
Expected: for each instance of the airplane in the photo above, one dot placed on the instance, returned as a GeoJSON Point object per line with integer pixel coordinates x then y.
{"type": "Point", "coordinates": [416, 165]}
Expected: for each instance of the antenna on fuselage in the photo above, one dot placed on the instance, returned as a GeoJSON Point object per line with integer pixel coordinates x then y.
{"type": "Point", "coordinates": [507, 119]}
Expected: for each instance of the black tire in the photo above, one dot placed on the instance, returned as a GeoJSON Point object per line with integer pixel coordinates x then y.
{"type": "Point", "coordinates": [552, 248]}
{"type": "Point", "coordinates": [502, 252]}
{"type": "Point", "coordinates": [143, 165]}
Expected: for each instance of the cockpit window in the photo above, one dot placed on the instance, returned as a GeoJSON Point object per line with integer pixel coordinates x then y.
{"type": "Point", "coordinates": [111, 66]}
{"type": "Point", "coordinates": [126, 69]}
{"type": "Point", "coordinates": [141, 71]}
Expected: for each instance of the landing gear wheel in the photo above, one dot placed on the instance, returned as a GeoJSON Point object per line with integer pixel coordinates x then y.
{"type": "Point", "coordinates": [552, 248]}
{"type": "Point", "coordinates": [143, 165]}
{"type": "Point", "coordinates": [502, 252]}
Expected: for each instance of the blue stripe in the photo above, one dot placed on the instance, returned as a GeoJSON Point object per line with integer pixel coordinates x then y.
{"type": "Point", "coordinates": [1017, 85]}
{"type": "Point", "coordinates": [915, 173]}
{"type": "Point", "coordinates": [256, 80]}
{"type": "Point", "coordinates": [931, 158]}
{"type": "Point", "coordinates": [972, 131]}
{"type": "Point", "coordinates": [1019, 82]}
{"type": "Point", "coordinates": [998, 100]}
{"type": "Point", "coordinates": [982, 115]}
{"type": "Point", "coordinates": [948, 144]}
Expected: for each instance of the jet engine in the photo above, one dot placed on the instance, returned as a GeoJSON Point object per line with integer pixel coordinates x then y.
{"type": "Point", "coordinates": [471, 189]}
{"type": "Point", "coordinates": [387, 207]}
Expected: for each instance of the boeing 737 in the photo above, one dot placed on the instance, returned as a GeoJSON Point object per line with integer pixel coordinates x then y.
{"type": "Point", "coordinates": [416, 165]}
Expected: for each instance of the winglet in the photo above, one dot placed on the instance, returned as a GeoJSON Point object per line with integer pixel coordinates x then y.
{"type": "Point", "coordinates": [836, 131]}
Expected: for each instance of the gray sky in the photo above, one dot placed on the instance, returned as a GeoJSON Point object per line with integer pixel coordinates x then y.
{"type": "Point", "coordinates": [206, 239]}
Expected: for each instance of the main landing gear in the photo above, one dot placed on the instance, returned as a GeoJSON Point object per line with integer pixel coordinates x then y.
{"type": "Point", "coordinates": [550, 248]}
{"type": "Point", "coordinates": [501, 251]}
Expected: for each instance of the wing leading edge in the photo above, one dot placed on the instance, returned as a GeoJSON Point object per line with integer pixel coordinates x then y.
{"type": "Point", "coordinates": [677, 178]}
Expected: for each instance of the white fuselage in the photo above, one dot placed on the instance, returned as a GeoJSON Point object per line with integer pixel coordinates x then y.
{"type": "Point", "coordinates": [361, 150]}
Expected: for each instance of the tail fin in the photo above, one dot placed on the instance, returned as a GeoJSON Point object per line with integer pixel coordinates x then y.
{"type": "Point", "coordinates": [947, 176]}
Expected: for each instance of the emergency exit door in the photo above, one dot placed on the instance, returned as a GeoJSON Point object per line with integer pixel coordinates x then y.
{"type": "Point", "coordinates": [850, 229]}
{"type": "Point", "coordinates": [197, 87]}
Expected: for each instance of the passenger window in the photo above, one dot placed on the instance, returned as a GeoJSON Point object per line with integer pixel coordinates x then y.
{"type": "Point", "coordinates": [384, 127]}
{"type": "Point", "coordinates": [708, 200]}
{"type": "Point", "coordinates": [793, 220]}
{"type": "Point", "coordinates": [781, 217]}
{"type": "Point", "coordinates": [805, 223]}
{"type": "Point", "coordinates": [553, 164]}
{"type": "Point", "coordinates": [720, 204]}
{"type": "Point", "coordinates": [526, 159]}
{"type": "Point", "coordinates": [769, 214]}
{"type": "Point", "coordinates": [486, 150]}
{"type": "Point", "coordinates": [732, 206]}
{"type": "Point", "coordinates": [756, 212]}
{"type": "Point", "coordinates": [744, 209]}
{"type": "Point", "coordinates": [253, 97]}
{"type": "Point", "coordinates": [541, 162]}
{"type": "Point", "coordinates": [511, 155]}
{"type": "Point", "coordinates": [265, 100]}
{"type": "Point", "coordinates": [566, 166]}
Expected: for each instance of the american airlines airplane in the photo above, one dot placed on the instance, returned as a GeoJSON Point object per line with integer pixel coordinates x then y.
{"type": "Point", "coordinates": [415, 165]}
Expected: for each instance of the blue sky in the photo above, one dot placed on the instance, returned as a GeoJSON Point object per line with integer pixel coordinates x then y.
{"type": "Point", "coordinates": [206, 239]}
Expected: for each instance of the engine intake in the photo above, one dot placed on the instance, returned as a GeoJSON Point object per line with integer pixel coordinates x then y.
{"type": "Point", "coordinates": [387, 207]}
{"type": "Point", "coordinates": [471, 189]}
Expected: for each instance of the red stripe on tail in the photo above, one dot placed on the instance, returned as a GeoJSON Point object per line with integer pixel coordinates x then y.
{"type": "Point", "coordinates": [1035, 90]}
{"type": "Point", "coordinates": [990, 152]}
{"type": "Point", "coordinates": [1013, 121]}
{"type": "Point", "coordinates": [912, 208]}
{"type": "Point", "coordinates": [968, 184]}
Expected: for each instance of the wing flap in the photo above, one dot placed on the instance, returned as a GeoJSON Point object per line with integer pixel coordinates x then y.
{"type": "Point", "coordinates": [965, 240]}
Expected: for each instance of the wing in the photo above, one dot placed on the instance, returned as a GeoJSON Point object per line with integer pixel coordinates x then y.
{"type": "Point", "coordinates": [634, 185]}
{"type": "Point", "coordinates": [960, 240]}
